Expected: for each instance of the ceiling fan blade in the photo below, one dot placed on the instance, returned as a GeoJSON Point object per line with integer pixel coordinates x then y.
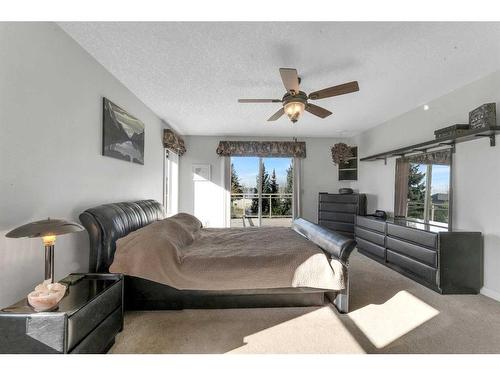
{"type": "Point", "coordinates": [277, 115]}
{"type": "Point", "coordinates": [259, 100]}
{"type": "Point", "coordinates": [290, 79]}
{"type": "Point", "coordinates": [318, 111]}
{"type": "Point", "coordinates": [345, 88]}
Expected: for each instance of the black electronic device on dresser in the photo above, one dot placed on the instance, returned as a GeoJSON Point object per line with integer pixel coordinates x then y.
{"type": "Point", "coordinates": [86, 321]}
{"type": "Point", "coordinates": [447, 261]}
{"type": "Point", "coordinates": [337, 212]}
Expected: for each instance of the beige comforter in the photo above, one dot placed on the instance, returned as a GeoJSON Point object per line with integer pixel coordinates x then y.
{"type": "Point", "coordinates": [179, 253]}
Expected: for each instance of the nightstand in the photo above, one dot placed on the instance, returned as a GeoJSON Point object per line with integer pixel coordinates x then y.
{"type": "Point", "coordinates": [86, 321]}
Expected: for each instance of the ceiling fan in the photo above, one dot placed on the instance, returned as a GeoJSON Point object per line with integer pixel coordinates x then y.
{"type": "Point", "coordinates": [296, 101]}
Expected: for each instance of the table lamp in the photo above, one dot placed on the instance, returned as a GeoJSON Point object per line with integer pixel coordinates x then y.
{"type": "Point", "coordinates": [48, 230]}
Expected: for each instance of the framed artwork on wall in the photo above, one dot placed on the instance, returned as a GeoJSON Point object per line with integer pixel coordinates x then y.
{"type": "Point", "coordinates": [202, 172]}
{"type": "Point", "coordinates": [123, 134]}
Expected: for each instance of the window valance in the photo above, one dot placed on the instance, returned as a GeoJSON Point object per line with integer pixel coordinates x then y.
{"type": "Point", "coordinates": [264, 149]}
{"type": "Point", "coordinates": [442, 157]}
{"type": "Point", "coordinates": [173, 142]}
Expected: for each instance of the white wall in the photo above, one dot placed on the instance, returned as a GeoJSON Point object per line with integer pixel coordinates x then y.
{"type": "Point", "coordinates": [50, 148]}
{"type": "Point", "coordinates": [318, 174]}
{"type": "Point", "coordinates": [476, 166]}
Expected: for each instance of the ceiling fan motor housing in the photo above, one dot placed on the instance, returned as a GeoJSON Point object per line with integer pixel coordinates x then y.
{"type": "Point", "coordinates": [300, 97]}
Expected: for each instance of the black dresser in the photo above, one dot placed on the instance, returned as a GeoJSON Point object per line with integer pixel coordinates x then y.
{"type": "Point", "coordinates": [338, 211]}
{"type": "Point", "coordinates": [449, 262]}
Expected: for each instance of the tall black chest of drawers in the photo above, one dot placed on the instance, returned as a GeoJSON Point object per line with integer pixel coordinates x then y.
{"type": "Point", "coordinates": [449, 262]}
{"type": "Point", "coordinates": [338, 211]}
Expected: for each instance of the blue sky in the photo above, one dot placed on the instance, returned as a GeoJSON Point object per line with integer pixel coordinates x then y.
{"type": "Point", "coordinates": [440, 177]}
{"type": "Point", "coordinates": [247, 169]}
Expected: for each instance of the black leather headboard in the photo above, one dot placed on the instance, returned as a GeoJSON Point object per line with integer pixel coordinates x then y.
{"type": "Point", "coordinates": [109, 222]}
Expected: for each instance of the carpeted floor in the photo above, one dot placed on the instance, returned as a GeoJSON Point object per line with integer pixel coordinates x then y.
{"type": "Point", "coordinates": [390, 314]}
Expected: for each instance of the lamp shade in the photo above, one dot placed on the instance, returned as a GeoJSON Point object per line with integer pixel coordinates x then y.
{"type": "Point", "coordinates": [43, 228]}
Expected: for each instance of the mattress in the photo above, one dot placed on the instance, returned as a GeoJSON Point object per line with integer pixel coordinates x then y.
{"type": "Point", "coordinates": [179, 253]}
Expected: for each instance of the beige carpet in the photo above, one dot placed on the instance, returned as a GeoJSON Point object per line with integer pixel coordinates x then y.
{"type": "Point", "coordinates": [390, 314]}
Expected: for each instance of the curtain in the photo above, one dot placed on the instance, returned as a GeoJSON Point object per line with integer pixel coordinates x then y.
{"type": "Point", "coordinates": [173, 142]}
{"type": "Point", "coordinates": [296, 201]}
{"type": "Point", "coordinates": [441, 157]}
{"type": "Point", "coordinates": [226, 191]}
{"type": "Point", "coordinates": [262, 149]}
{"type": "Point", "coordinates": [401, 189]}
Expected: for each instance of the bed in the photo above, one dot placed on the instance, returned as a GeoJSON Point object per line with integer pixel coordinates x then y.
{"type": "Point", "coordinates": [137, 226]}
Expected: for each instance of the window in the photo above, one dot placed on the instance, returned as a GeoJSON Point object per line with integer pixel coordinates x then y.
{"type": "Point", "coordinates": [423, 188]}
{"type": "Point", "coordinates": [261, 191]}
{"type": "Point", "coordinates": [171, 183]}
{"type": "Point", "coordinates": [428, 193]}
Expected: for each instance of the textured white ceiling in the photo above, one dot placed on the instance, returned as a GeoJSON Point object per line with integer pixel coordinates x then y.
{"type": "Point", "coordinates": [191, 74]}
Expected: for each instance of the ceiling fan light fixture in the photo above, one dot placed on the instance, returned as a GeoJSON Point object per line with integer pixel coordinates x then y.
{"type": "Point", "coordinates": [294, 110]}
{"type": "Point", "coordinates": [295, 102]}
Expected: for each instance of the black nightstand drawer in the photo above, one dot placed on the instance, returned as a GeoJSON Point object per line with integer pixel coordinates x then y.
{"type": "Point", "coordinates": [98, 340]}
{"type": "Point", "coordinates": [93, 313]}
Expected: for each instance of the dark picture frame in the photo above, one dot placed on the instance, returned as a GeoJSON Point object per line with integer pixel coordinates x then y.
{"type": "Point", "coordinates": [122, 134]}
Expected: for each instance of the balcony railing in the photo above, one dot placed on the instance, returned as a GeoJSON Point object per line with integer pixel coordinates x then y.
{"type": "Point", "coordinates": [438, 211]}
{"type": "Point", "coordinates": [274, 205]}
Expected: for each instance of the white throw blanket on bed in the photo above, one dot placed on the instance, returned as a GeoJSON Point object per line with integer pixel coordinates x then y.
{"type": "Point", "coordinates": [179, 253]}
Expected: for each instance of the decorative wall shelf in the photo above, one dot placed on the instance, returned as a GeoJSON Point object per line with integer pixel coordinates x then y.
{"type": "Point", "coordinates": [349, 171]}
{"type": "Point", "coordinates": [438, 143]}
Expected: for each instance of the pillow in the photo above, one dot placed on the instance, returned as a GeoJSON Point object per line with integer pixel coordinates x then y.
{"type": "Point", "coordinates": [189, 222]}
{"type": "Point", "coordinates": [172, 231]}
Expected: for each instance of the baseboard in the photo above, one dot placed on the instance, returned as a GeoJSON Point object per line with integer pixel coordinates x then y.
{"type": "Point", "coordinates": [490, 293]}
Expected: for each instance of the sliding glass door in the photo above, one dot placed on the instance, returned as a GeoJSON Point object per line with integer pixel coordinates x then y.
{"type": "Point", "coordinates": [244, 189]}
{"type": "Point", "coordinates": [261, 191]}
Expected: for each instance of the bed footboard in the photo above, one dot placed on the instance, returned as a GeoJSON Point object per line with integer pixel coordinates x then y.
{"type": "Point", "coordinates": [336, 246]}
{"type": "Point", "coordinates": [340, 299]}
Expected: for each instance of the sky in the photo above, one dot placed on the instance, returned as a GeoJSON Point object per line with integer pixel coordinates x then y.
{"type": "Point", "coordinates": [440, 177]}
{"type": "Point", "coordinates": [247, 169]}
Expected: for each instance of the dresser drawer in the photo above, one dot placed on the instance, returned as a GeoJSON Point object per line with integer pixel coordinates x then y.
{"type": "Point", "coordinates": [337, 226]}
{"type": "Point", "coordinates": [376, 238]}
{"type": "Point", "coordinates": [378, 251]}
{"type": "Point", "coordinates": [418, 269]}
{"type": "Point", "coordinates": [414, 235]}
{"type": "Point", "coordinates": [338, 198]}
{"type": "Point", "coordinates": [376, 225]}
{"type": "Point", "coordinates": [336, 216]}
{"type": "Point", "coordinates": [419, 253]}
{"type": "Point", "coordinates": [93, 313]}
{"type": "Point", "coordinates": [350, 208]}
